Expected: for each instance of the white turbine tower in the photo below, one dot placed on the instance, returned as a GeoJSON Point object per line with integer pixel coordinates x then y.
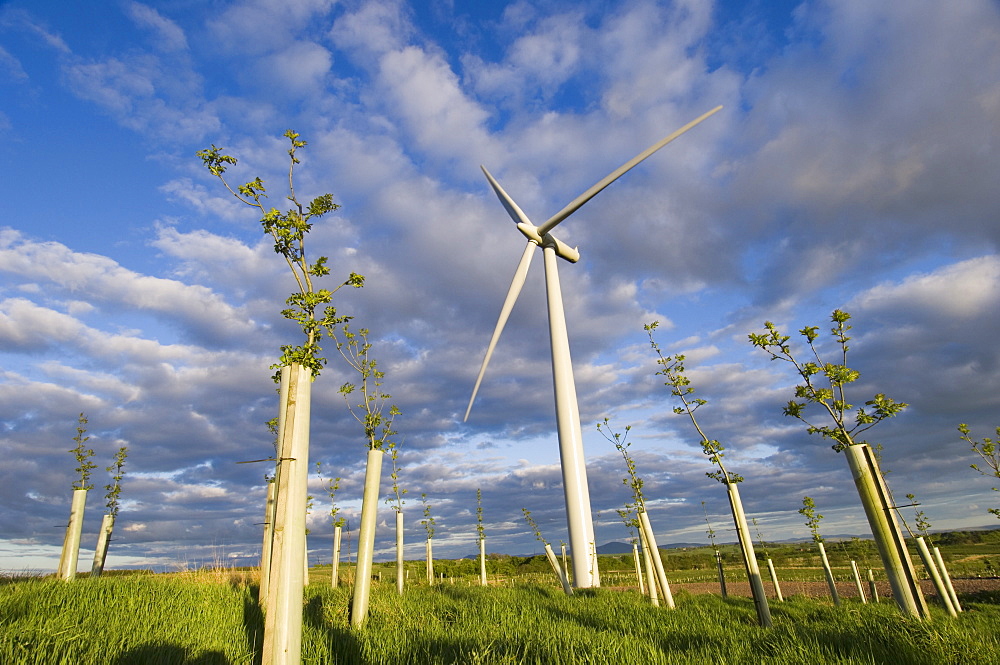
{"type": "Point", "coordinates": [574, 470]}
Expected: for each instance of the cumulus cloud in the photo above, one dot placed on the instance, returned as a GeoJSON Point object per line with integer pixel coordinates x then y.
{"type": "Point", "coordinates": [104, 280]}
{"type": "Point", "coordinates": [169, 35]}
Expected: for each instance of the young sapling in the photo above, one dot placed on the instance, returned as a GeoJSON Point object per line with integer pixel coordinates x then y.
{"type": "Point", "coordinates": [396, 501]}
{"type": "Point", "coordinates": [813, 518]}
{"type": "Point", "coordinates": [718, 554]}
{"type": "Point", "coordinates": [71, 543]}
{"type": "Point", "coordinates": [673, 370]}
{"type": "Point", "coordinates": [481, 531]}
{"type": "Point", "coordinates": [549, 554]}
{"type": "Point", "coordinates": [767, 557]}
{"type": "Point", "coordinates": [114, 488]}
{"type": "Point", "coordinates": [824, 385]}
{"type": "Point", "coordinates": [428, 524]}
{"type": "Point", "coordinates": [658, 584]}
{"type": "Point", "coordinates": [942, 584]}
{"type": "Point", "coordinates": [311, 308]}
{"type": "Point", "coordinates": [376, 417]}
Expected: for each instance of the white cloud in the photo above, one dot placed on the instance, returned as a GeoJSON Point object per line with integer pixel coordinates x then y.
{"type": "Point", "coordinates": [425, 93]}
{"type": "Point", "coordinates": [965, 290]}
{"type": "Point", "coordinates": [300, 69]}
{"type": "Point", "coordinates": [372, 29]}
{"type": "Point", "coordinates": [169, 35]}
{"type": "Point", "coordinates": [104, 280]}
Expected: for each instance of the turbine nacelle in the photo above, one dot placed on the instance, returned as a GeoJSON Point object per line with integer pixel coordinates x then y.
{"type": "Point", "coordinates": [563, 251]}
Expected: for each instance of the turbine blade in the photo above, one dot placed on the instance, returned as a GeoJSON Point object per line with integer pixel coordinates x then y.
{"type": "Point", "coordinates": [508, 203]}
{"type": "Point", "coordinates": [512, 293]}
{"type": "Point", "coordinates": [549, 224]}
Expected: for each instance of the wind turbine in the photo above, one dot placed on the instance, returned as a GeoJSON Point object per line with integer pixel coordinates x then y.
{"type": "Point", "coordinates": [574, 469]}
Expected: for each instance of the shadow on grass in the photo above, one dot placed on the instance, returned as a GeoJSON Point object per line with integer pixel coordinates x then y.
{"type": "Point", "coordinates": [253, 623]}
{"type": "Point", "coordinates": [156, 653]}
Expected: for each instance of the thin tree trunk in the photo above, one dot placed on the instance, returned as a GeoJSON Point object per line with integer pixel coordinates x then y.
{"type": "Point", "coordinates": [335, 572]}
{"type": "Point", "coordinates": [283, 619]}
{"type": "Point", "coordinates": [774, 581]}
{"type": "Point", "coordinates": [71, 544]}
{"type": "Point", "coordinates": [828, 573]}
{"type": "Point", "coordinates": [878, 508]}
{"type": "Point", "coordinates": [638, 567]}
{"type": "Point", "coordinates": [749, 556]}
{"type": "Point", "coordinates": [557, 569]}
{"type": "Point", "coordinates": [947, 580]}
{"type": "Point", "coordinates": [400, 576]}
{"type": "Point", "coordinates": [366, 539]}
{"type": "Point", "coordinates": [857, 581]}
{"type": "Point", "coordinates": [101, 551]}
{"type": "Point", "coordinates": [935, 576]}
{"type": "Point", "coordinates": [654, 551]}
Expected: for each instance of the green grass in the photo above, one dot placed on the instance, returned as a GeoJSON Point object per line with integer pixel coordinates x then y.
{"type": "Point", "coordinates": [209, 620]}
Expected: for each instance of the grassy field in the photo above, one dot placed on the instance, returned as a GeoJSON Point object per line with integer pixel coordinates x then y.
{"type": "Point", "coordinates": [211, 618]}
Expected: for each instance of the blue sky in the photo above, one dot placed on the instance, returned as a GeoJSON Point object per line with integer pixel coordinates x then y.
{"type": "Point", "coordinates": [854, 166]}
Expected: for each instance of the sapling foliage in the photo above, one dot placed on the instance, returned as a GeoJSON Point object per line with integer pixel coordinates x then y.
{"type": "Point", "coordinates": [673, 370]}
{"type": "Point", "coordinates": [372, 412]}
{"type": "Point", "coordinates": [310, 307]}
{"type": "Point", "coordinates": [428, 521]}
{"type": "Point", "coordinates": [710, 531]}
{"type": "Point", "coordinates": [824, 384]}
{"type": "Point", "coordinates": [83, 455]}
{"type": "Point", "coordinates": [633, 481]}
{"type": "Point", "coordinates": [114, 488]}
{"type": "Point", "coordinates": [988, 449]}
{"type": "Point", "coordinates": [808, 510]}
{"type": "Point", "coordinates": [920, 520]}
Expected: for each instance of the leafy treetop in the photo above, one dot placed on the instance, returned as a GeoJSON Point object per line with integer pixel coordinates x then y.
{"type": "Point", "coordinates": [534, 526]}
{"type": "Point", "coordinates": [331, 485]}
{"type": "Point", "coordinates": [117, 471]}
{"type": "Point", "coordinates": [310, 307]}
{"type": "Point", "coordinates": [428, 520]}
{"type": "Point", "coordinates": [396, 500]}
{"type": "Point", "coordinates": [808, 510]}
{"type": "Point", "coordinates": [922, 523]}
{"type": "Point", "coordinates": [825, 383]}
{"type": "Point", "coordinates": [711, 531]}
{"type": "Point", "coordinates": [672, 368]}
{"type": "Point", "coordinates": [83, 455]}
{"type": "Point", "coordinates": [371, 412]}
{"type": "Point", "coordinates": [988, 450]}
{"type": "Point", "coordinates": [479, 514]}
{"type": "Point", "coordinates": [630, 513]}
